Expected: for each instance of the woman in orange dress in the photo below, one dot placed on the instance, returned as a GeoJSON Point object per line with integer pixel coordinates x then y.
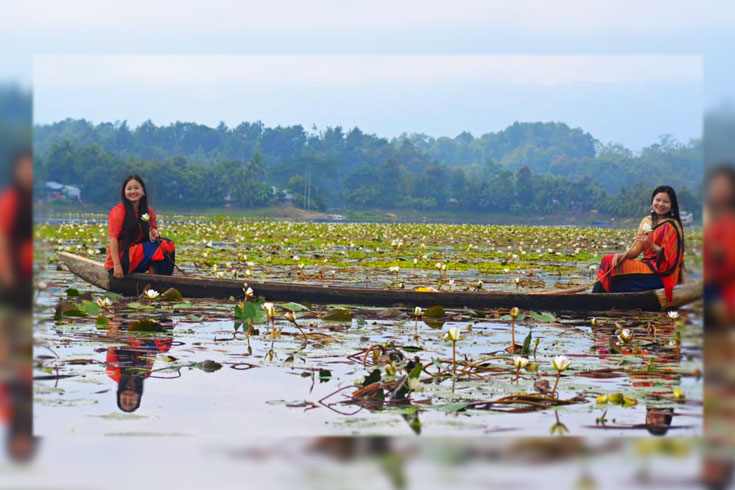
{"type": "Point", "coordinates": [661, 240]}
{"type": "Point", "coordinates": [135, 244]}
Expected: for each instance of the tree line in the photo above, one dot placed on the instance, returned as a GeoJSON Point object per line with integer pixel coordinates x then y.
{"type": "Point", "coordinates": [525, 168]}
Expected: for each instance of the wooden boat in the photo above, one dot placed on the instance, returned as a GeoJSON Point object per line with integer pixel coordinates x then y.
{"type": "Point", "coordinates": [199, 287]}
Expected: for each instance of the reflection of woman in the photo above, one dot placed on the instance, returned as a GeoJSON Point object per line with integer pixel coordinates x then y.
{"type": "Point", "coordinates": [661, 240]}
{"type": "Point", "coordinates": [129, 366]}
{"type": "Point", "coordinates": [658, 420]}
{"type": "Point", "coordinates": [16, 241]}
{"type": "Point", "coordinates": [135, 244]}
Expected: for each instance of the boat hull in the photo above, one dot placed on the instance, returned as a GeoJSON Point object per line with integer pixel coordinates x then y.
{"type": "Point", "coordinates": [198, 287]}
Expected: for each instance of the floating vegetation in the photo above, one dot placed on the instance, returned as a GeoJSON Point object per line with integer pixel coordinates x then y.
{"type": "Point", "coordinates": [259, 367]}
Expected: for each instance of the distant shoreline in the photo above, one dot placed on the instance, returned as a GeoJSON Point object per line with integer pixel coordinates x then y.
{"type": "Point", "coordinates": [47, 211]}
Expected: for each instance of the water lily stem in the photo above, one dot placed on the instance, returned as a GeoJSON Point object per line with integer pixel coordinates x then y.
{"type": "Point", "coordinates": [558, 375]}
{"type": "Point", "coordinates": [454, 357]}
{"type": "Point", "coordinates": [513, 334]}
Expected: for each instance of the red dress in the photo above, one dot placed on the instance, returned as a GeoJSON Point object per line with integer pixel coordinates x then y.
{"type": "Point", "coordinates": [141, 251]}
{"type": "Point", "coordinates": [21, 248]}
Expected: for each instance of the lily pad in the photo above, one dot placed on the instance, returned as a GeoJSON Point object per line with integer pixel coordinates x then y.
{"type": "Point", "coordinates": [68, 308]}
{"type": "Point", "coordinates": [291, 306]}
{"type": "Point", "coordinates": [543, 317]}
{"type": "Point", "coordinates": [436, 311]}
{"type": "Point", "coordinates": [208, 366]}
{"type": "Point", "coordinates": [171, 294]}
{"type": "Point", "coordinates": [338, 315]}
{"type": "Point", "coordinates": [450, 407]}
{"type": "Point", "coordinates": [102, 322]}
{"type": "Point", "coordinates": [145, 325]}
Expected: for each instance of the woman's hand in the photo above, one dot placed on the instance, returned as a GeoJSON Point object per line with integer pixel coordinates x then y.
{"type": "Point", "coordinates": [153, 234]}
{"type": "Point", "coordinates": [644, 240]}
{"type": "Point", "coordinates": [617, 258]}
{"type": "Point", "coordinates": [117, 271]}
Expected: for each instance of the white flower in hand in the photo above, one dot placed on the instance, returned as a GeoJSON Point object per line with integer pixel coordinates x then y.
{"type": "Point", "coordinates": [152, 294]}
{"type": "Point", "coordinates": [646, 228]}
{"type": "Point", "coordinates": [145, 217]}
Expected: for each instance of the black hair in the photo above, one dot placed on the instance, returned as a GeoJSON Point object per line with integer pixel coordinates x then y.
{"type": "Point", "coordinates": [132, 226]}
{"type": "Point", "coordinates": [23, 227]}
{"type": "Point", "coordinates": [674, 212]}
{"type": "Point", "coordinates": [661, 428]}
{"type": "Point", "coordinates": [726, 170]}
{"type": "Point", "coordinates": [130, 375]}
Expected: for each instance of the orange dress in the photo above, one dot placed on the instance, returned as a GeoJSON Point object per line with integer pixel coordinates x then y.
{"type": "Point", "coordinates": [655, 269]}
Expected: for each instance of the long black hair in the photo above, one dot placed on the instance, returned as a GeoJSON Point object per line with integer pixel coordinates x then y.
{"type": "Point", "coordinates": [673, 213]}
{"type": "Point", "coordinates": [24, 219]}
{"type": "Point", "coordinates": [132, 225]}
{"type": "Point", "coordinates": [131, 362]}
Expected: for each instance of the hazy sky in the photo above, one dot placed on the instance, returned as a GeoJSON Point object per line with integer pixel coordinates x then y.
{"type": "Point", "coordinates": [627, 99]}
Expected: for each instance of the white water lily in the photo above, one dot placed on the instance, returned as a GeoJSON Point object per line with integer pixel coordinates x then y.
{"type": "Point", "coordinates": [647, 228]}
{"type": "Point", "coordinates": [145, 217]}
{"type": "Point", "coordinates": [514, 312]}
{"type": "Point", "coordinates": [593, 321]}
{"type": "Point", "coordinates": [438, 265]}
{"type": "Point", "coordinates": [394, 269]}
{"type": "Point", "coordinates": [290, 316]}
{"type": "Point", "coordinates": [520, 362]}
{"type": "Point", "coordinates": [103, 302]}
{"type": "Point", "coordinates": [517, 280]}
{"type": "Point", "coordinates": [152, 294]}
{"type": "Point", "coordinates": [561, 363]}
{"type": "Point", "coordinates": [506, 270]}
{"type": "Point", "coordinates": [248, 292]}
{"type": "Point", "coordinates": [673, 314]}
{"type": "Point", "coordinates": [270, 310]}
{"type": "Point", "coordinates": [452, 334]}
{"type": "Point", "coordinates": [625, 335]}
{"type": "Point", "coordinates": [413, 384]}
{"type": "Point", "coordinates": [415, 261]}
{"type": "Point", "coordinates": [418, 311]}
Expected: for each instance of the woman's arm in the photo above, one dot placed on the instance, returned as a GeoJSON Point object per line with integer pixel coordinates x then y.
{"type": "Point", "coordinates": [115, 254]}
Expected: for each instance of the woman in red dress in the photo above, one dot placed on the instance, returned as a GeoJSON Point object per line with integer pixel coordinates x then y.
{"type": "Point", "coordinates": [661, 240]}
{"type": "Point", "coordinates": [135, 244]}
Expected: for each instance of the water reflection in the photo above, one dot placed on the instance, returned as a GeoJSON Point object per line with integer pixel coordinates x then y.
{"type": "Point", "coordinates": [130, 365]}
{"type": "Point", "coordinates": [658, 420]}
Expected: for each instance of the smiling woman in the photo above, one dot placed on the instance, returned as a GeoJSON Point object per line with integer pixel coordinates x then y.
{"type": "Point", "coordinates": [130, 222]}
{"type": "Point", "coordinates": [661, 240]}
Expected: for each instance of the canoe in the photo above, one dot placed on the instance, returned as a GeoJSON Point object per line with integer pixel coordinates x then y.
{"type": "Point", "coordinates": [200, 287]}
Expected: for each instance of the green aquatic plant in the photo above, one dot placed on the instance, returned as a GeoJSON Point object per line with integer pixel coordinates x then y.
{"type": "Point", "coordinates": [453, 335]}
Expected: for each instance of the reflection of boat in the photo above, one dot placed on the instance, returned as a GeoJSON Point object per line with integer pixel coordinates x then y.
{"type": "Point", "coordinates": [201, 287]}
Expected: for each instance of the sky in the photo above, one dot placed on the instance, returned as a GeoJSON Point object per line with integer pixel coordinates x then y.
{"type": "Point", "coordinates": [623, 99]}
{"type": "Point", "coordinates": [411, 27]}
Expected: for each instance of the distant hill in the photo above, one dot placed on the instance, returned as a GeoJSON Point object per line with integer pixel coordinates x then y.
{"type": "Point", "coordinates": [527, 167]}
